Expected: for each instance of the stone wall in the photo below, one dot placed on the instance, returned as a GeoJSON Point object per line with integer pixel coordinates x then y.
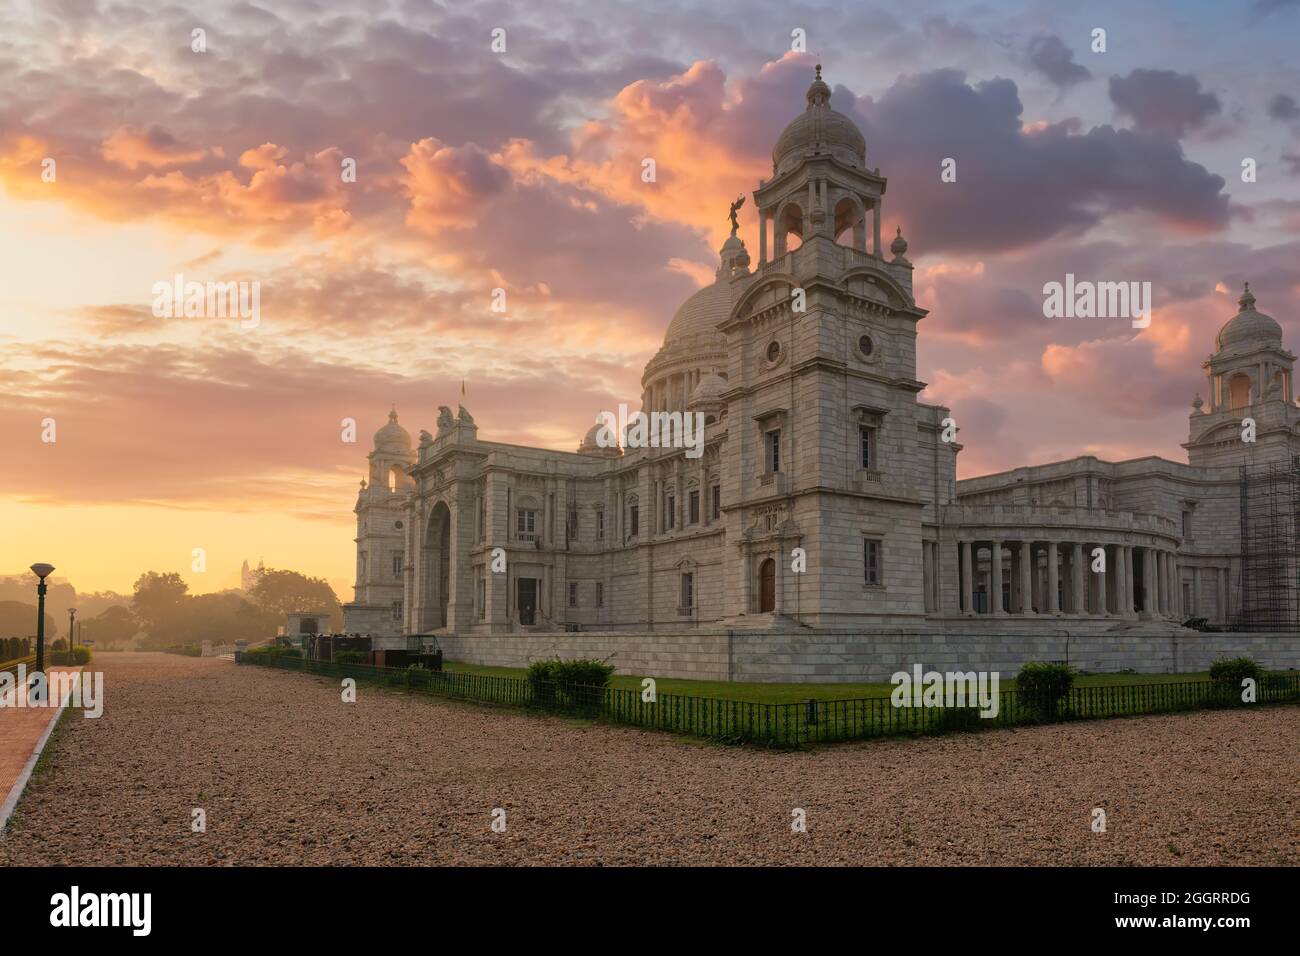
{"type": "Point", "coordinates": [829, 658]}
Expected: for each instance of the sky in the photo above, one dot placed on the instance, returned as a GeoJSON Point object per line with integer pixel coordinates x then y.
{"type": "Point", "coordinates": [520, 169]}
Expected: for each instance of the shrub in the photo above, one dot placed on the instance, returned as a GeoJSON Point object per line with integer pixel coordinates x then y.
{"type": "Point", "coordinates": [1234, 670]}
{"type": "Point", "coordinates": [185, 650]}
{"type": "Point", "coordinates": [345, 657]}
{"type": "Point", "coordinates": [570, 682]}
{"type": "Point", "coordinates": [1040, 687]}
{"type": "Point", "coordinates": [290, 651]}
{"type": "Point", "coordinates": [950, 719]}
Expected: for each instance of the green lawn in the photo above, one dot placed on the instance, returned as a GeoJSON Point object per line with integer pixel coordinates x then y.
{"type": "Point", "coordinates": [787, 693]}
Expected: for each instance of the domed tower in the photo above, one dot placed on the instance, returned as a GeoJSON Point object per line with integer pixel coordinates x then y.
{"type": "Point", "coordinates": [820, 183]}
{"type": "Point", "coordinates": [381, 535]}
{"type": "Point", "coordinates": [827, 448]}
{"type": "Point", "coordinates": [1248, 376]}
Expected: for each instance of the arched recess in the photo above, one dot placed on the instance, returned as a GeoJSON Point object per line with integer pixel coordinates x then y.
{"type": "Point", "coordinates": [437, 560]}
{"type": "Point", "coordinates": [850, 223]}
{"type": "Point", "coordinates": [1239, 390]}
{"type": "Point", "coordinates": [767, 586]}
{"type": "Point", "coordinates": [789, 223]}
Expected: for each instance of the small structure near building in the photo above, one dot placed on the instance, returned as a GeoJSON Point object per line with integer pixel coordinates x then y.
{"type": "Point", "coordinates": [301, 623]}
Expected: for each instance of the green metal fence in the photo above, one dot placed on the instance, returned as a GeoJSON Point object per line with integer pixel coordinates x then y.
{"type": "Point", "coordinates": [813, 721]}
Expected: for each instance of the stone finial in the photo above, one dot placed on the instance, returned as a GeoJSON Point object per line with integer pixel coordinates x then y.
{"type": "Point", "coordinates": [1197, 403]}
{"type": "Point", "coordinates": [899, 246]}
{"type": "Point", "coordinates": [1247, 300]}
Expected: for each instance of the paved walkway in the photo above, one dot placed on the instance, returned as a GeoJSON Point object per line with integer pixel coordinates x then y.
{"type": "Point", "coordinates": [286, 772]}
{"type": "Point", "coordinates": [21, 729]}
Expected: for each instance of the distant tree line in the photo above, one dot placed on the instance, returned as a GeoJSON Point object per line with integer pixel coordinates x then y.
{"type": "Point", "coordinates": [163, 613]}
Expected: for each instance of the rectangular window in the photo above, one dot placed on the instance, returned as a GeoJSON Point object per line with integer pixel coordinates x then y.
{"type": "Point", "coordinates": [694, 506]}
{"type": "Point", "coordinates": [526, 521]}
{"type": "Point", "coordinates": [871, 560]}
{"type": "Point", "coordinates": [634, 521]}
{"type": "Point", "coordinates": [572, 529]}
{"type": "Point", "coordinates": [670, 512]}
{"type": "Point", "coordinates": [600, 524]}
{"type": "Point", "coordinates": [600, 594]}
{"type": "Point", "coordinates": [397, 564]}
{"type": "Point", "coordinates": [867, 442]}
{"type": "Point", "coordinates": [482, 597]}
{"type": "Point", "coordinates": [717, 501]}
{"type": "Point", "coordinates": [573, 594]}
{"type": "Point", "coordinates": [774, 451]}
{"type": "Point", "coordinates": [482, 518]}
{"type": "Point", "coordinates": [688, 590]}
{"type": "Point", "coordinates": [1187, 525]}
{"type": "Point", "coordinates": [397, 610]}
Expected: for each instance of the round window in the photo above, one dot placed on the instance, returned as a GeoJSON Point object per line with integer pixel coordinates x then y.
{"type": "Point", "coordinates": [398, 525]}
{"type": "Point", "coordinates": [773, 351]}
{"type": "Point", "coordinates": [866, 346]}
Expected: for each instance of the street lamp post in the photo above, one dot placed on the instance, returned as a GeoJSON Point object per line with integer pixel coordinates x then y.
{"type": "Point", "coordinates": [42, 571]}
{"type": "Point", "coordinates": [72, 631]}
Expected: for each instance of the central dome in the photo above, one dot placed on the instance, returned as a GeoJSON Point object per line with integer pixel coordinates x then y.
{"type": "Point", "coordinates": [701, 313]}
{"type": "Point", "coordinates": [820, 129]}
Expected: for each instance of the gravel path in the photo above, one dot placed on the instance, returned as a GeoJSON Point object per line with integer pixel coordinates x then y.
{"type": "Point", "coordinates": [288, 774]}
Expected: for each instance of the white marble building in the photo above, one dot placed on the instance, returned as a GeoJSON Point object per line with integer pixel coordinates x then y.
{"type": "Point", "coordinates": [815, 440]}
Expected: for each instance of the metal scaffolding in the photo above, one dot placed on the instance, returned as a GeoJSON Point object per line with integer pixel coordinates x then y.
{"type": "Point", "coordinates": [1269, 586]}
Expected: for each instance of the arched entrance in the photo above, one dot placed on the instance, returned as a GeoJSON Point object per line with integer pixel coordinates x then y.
{"type": "Point", "coordinates": [437, 567]}
{"type": "Point", "coordinates": [767, 586]}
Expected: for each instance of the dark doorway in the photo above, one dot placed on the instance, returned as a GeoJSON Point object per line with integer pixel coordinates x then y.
{"type": "Point", "coordinates": [767, 587]}
{"type": "Point", "coordinates": [527, 600]}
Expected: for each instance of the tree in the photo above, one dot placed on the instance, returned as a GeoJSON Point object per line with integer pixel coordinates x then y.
{"type": "Point", "coordinates": [18, 619]}
{"type": "Point", "coordinates": [278, 593]}
{"type": "Point", "coordinates": [117, 625]}
{"type": "Point", "coordinates": [158, 602]}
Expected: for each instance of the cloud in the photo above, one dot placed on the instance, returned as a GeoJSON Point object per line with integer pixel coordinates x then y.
{"type": "Point", "coordinates": [1283, 107]}
{"type": "Point", "coordinates": [1054, 60]}
{"type": "Point", "coordinates": [1015, 186]}
{"type": "Point", "coordinates": [1163, 101]}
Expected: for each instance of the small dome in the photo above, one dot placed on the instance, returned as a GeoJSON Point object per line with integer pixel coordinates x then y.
{"type": "Point", "coordinates": [591, 442]}
{"type": "Point", "coordinates": [820, 128]}
{"type": "Point", "coordinates": [1249, 328]}
{"type": "Point", "coordinates": [393, 437]}
{"type": "Point", "coordinates": [709, 390]}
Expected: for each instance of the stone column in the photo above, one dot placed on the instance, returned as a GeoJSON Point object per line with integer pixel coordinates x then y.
{"type": "Point", "coordinates": [1077, 603]}
{"type": "Point", "coordinates": [1101, 579]}
{"type": "Point", "coordinates": [762, 236]}
{"type": "Point", "coordinates": [1148, 579]}
{"type": "Point", "coordinates": [1196, 591]}
{"type": "Point", "coordinates": [1026, 583]}
{"type": "Point", "coordinates": [1130, 580]}
{"type": "Point", "coordinates": [1221, 587]}
{"type": "Point", "coordinates": [1053, 580]}
{"type": "Point", "coordinates": [875, 229]}
{"type": "Point", "coordinates": [1121, 577]}
{"type": "Point", "coordinates": [995, 575]}
{"type": "Point", "coordinates": [967, 584]}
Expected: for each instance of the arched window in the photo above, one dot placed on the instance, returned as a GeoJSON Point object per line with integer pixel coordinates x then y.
{"type": "Point", "coordinates": [789, 225]}
{"type": "Point", "coordinates": [1239, 390]}
{"type": "Point", "coordinates": [850, 224]}
{"type": "Point", "coordinates": [767, 587]}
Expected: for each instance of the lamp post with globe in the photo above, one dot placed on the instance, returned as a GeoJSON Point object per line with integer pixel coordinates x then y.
{"type": "Point", "coordinates": [42, 571]}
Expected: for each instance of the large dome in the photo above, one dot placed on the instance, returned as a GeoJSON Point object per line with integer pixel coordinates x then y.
{"type": "Point", "coordinates": [820, 129]}
{"type": "Point", "coordinates": [701, 313]}
{"type": "Point", "coordinates": [1249, 328]}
